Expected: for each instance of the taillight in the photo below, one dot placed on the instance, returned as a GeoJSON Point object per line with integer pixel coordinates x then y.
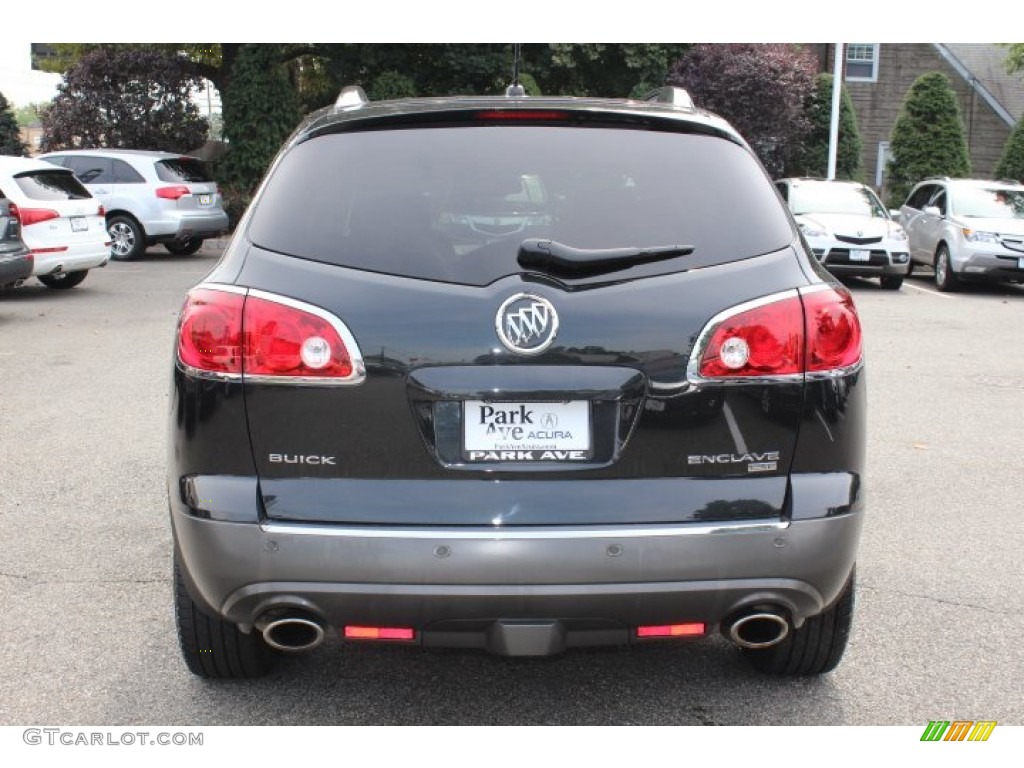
{"type": "Point", "coordinates": [102, 211]}
{"type": "Point", "coordinates": [30, 216]}
{"type": "Point", "coordinates": [283, 340]}
{"type": "Point", "coordinates": [788, 335]}
{"type": "Point", "coordinates": [210, 331]}
{"type": "Point", "coordinates": [521, 114]}
{"type": "Point", "coordinates": [833, 330]}
{"type": "Point", "coordinates": [266, 338]}
{"type": "Point", "coordinates": [172, 193]}
{"type": "Point", "coordinates": [765, 340]}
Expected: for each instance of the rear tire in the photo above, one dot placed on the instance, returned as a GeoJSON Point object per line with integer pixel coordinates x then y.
{"type": "Point", "coordinates": [215, 648]}
{"type": "Point", "coordinates": [66, 280]}
{"type": "Point", "coordinates": [891, 282]}
{"type": "Point", "coordinates": [128, 239]}
{"type": "Point", "coordinates": [184, 247]}
{"type": "Point", "coordinates": [945, 278]}
{"type": "Point", "coordinates": [814, 649]}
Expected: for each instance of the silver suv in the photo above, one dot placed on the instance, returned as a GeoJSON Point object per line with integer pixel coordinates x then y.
{"type": "Point", "coordinates": [150, 197]}
{"type": "Point", "coordinates": [967, 229]}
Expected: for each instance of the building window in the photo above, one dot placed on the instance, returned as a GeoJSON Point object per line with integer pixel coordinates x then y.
{"type": "Point", "coordinates": [862, 62]}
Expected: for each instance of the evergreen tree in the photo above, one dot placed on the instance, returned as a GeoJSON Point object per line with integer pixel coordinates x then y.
{"type": "Point", "coordinates": [260, 112]}
{"type": "Point", "coordinates": [10, 137]}
{"type": "Point", "coordinates": [928, 137]}
{"type": "Point", "coordinates": [1011, 166]}
{"type": "Point", "coordinates": [812, 160]}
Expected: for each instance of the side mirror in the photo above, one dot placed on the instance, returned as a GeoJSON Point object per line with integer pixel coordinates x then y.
{"type": "Point", "coordinates": [895, 213]}
{"type": "Point", "coordinates": [932, 210]}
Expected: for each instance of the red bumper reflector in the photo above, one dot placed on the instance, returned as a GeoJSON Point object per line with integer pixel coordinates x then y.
{"type": "Point", "coordinates": [61, 249]}
{"type": "Point", "coordinates": [379, 633]}
{"type": "Point", "coordinates": [671, 630]}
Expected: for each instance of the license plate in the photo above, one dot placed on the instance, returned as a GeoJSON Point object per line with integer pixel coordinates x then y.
{"type": "Point", "coordinates": [79, 224]}
{"type": "Point", "coordinates": [523, 431]}
{"type": "Point", "coordinates": [205, 199]}
{"type": "Point", "coordinates": [856, 254]}
{"type": "Point", "coordinates": [1020, 263]}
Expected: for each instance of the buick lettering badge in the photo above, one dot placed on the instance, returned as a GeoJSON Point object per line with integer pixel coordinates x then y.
{"type": "Point", "coordinates": [526, 324]}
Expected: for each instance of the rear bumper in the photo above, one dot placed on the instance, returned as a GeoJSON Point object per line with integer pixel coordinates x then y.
{"type": "Point", "coordinates": [184, 225]}
{"type": "Point", "coordinates": [14, 266]}
{"type": "Point", "coordinates": [75, 258]}
{"type": "Point", "coordinates": [598, 577]}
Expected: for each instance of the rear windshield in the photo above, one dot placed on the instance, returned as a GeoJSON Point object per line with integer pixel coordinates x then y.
{"type": "Point", "coordinates": [453, 204]}
{"type": "Point", "coordinates": [185, 169]}
{"type": "Point", "coordinates": [51, 185]}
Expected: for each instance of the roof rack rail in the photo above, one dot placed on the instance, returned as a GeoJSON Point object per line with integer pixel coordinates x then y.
{"type": "Point", "coordinates": [670, 94]}
{"type": "Point", "coordinates": [1009, 181]}
{"type": "Point", "coordinates": [351, 97]}
{"type": "Point", "coordinates": [936, 178]}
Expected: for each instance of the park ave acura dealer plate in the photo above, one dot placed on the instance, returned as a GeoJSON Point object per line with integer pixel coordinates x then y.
{"type": "Point", "coordinates": [526, 431]}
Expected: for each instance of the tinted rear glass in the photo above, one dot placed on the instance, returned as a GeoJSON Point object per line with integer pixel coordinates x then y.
{"type": "Point", "coordinates": [51, 185]}
{"type": "Point", "coordinates": [184, 169]}
{"type": "Point", "coordinates": [453, 204]}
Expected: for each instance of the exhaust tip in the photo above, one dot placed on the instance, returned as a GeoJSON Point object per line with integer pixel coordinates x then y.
{"type": "Point", "coordinates": [759, 630]}
{"type": "Point", "coordinates": [292, 633]}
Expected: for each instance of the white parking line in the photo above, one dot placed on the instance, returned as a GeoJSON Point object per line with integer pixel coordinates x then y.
{"type": "Point", "coordinates": [927, 290]}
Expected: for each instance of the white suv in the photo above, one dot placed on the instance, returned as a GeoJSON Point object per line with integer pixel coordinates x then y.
{"type": "Point", "coordinates": [150, 197]}
{"type": "Point", "coordinates": [849, 230]}
{"type": "Point", "coordinates": [967, 229]}
{"type": "Point", "coordinates": [61, 223]}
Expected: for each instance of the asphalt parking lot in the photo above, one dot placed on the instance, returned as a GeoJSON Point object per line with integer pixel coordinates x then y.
{"type": "Point", "coordinates": [88, 637]}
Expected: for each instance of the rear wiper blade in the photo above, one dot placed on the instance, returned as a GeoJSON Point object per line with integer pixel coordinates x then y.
{"type": "Point", "coordinates": [554, 257]}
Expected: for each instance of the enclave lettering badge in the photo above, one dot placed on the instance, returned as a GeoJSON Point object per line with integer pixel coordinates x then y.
{"type": "Point", "coordinates": [755, 462]}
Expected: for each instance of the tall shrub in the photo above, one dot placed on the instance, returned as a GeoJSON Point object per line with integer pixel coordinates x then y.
{"type": "Point", "coordinates": [125, 96]}
{"type": "Point", "coordinates": [762, 89]}
{"type": "Point", "coordinates": [928, 138]}
{"type": "Point", "coordinates": [260, 112]}
{"type": "Point", "coordinates": [1011, 165]}
{"type": "Point", "coordinates": [812, 159]}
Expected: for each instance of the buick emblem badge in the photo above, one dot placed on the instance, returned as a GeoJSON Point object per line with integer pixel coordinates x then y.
{"type": "Point", "coordinates": [526, 324]}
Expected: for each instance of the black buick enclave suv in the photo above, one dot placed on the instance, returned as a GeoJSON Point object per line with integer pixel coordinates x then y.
{"type": "Point", "coordinates": [493, 372]}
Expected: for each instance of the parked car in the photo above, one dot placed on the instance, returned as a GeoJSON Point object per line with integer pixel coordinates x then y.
{"type": "Point", "coordinates": [967, 229]}
{"type": "Point", "coordinates": [60, 222]}
{"type": "Point", "coordinates": [150, 197]}
{"type": "Point", "coordinates": [389, 430]}
{"type": "Point", "coordinates": [15, 259]}
{"type": "Point", "coordinates": [849, 230]}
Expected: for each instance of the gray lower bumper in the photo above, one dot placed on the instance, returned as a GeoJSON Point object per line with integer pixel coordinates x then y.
{"type": "Point", "coordinates": [418, 577]}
